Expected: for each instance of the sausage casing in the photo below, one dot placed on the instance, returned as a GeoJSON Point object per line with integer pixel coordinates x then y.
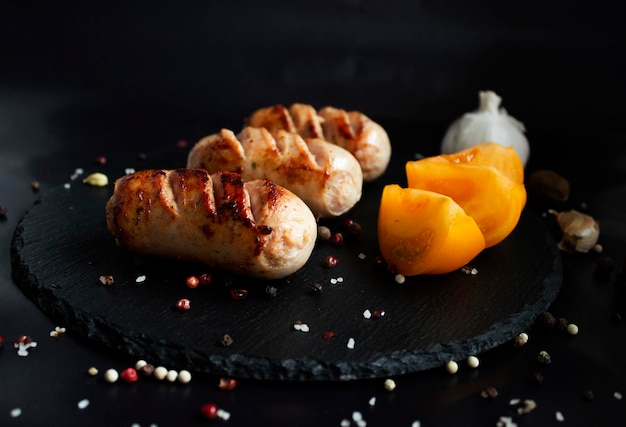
{"type": "Point", "coordinates": [254, 228]}
{"type": "Point", "coordinates": [327, 177]}
{"type": "Point", "coordinates": [365, 139]}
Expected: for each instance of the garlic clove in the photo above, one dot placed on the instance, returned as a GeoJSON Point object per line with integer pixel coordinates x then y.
{"type": "Point", "coordinates": [580, 231]}
{"type": "Point", "coordinates": [489, 123]}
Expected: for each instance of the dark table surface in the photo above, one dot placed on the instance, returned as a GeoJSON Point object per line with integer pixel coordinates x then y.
{"type": "Point", "coordinates": [55, 120]}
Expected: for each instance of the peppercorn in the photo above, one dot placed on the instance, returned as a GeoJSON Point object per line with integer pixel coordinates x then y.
{"type": "Point", "coordinates": [544, 357]}
{"type": "Point", "coordinates": [336, 239]}
{"type": "Point", "coordinates": [490, 392]}
{"type": "Point", "coordinates": [317, 288]}
{"type": "Point", "coordinates": [183, 304]}
{"type": "Point", "coordinates": [323, 232]}
{"type": "Point", "coordinates": [129, 375]}
{"type": "Point", "coordinates": [205, 279]}
{"type": "Point", "coordinates": [379, 313]}
{"type": "Point", "coordinates": [238, 294]}
{"type": "Point", "coordinates": [192, 282]}
{"type": "Point", "coordinates": [147, 370]}
{"type": "Point", "coordinates": [271, 291]}
{"type": "Point", "coordinates": [209, 411]}
{"type": "Point", "coordinates": [227, 384]}
{"type": "Point", "coordinates": [353, 227]}
{"type": "Point", "coordinates": [329, 335]}
{"type": "Point", "coordinates": [330, 261]}
{"type": "Point", "coordinates": [226, 340]}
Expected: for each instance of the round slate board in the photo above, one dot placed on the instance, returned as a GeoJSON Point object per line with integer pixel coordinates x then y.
{"type": "Point", "coordinates": [62, 246]}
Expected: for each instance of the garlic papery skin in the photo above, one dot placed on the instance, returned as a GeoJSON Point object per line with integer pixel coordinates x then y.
{"type": "Point", "coordinates": [489, 123]}
{"type": "Point", "coordinates": [580, 231]}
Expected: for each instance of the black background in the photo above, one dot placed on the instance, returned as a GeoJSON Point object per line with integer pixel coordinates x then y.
{"type": "Point", "coordinates": [80, 79]}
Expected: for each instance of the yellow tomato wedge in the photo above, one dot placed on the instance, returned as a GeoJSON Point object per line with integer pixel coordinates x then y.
{"type": "Point", "coordinates": [484, 192]}
{"type": "Point", "coordinates": [505, 159]}
{"type": "Point", "coordinates": [422, 232]}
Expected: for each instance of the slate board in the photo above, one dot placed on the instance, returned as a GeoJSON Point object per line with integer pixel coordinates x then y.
{"type": "Point", "coordinates": [61, 247]}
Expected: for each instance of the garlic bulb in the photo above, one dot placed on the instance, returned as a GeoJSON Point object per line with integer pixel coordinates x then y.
{"type": "Point", "coordinates": [488, 123]}
{"type": "Point", "coordinates": [580, 231]}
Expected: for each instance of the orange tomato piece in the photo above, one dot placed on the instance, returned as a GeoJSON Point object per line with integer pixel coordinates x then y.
{"type": "Point", "coordinates": [505, 159]}
{"type": "Point", "coordinates": [485, 193]}
{"type": "Point", "coordinates": [422, 232]}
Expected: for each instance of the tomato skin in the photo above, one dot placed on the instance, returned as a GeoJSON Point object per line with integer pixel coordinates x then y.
{"type": "Point", "coordinates": [422, 232]}
{"type": "Point", "coordinates": [479, 180]}
{"type": "Point", "coordinates": [504, 159]}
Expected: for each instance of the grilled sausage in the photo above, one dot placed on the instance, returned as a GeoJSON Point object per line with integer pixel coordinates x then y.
{"type": "Point", "coordinates": [365, 139]}
{"type": "Point", "coordinates": [256, 228]}
{"type": "Point", "coordinates": [327, 177]}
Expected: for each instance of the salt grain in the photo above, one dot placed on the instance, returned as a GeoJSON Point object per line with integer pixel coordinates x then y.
{"type": "Point", "coordinates": [416, 424]}
{"type": "Point", "coordinates": [372, 401]}
{"type": "Point", "coordinates": [140, 279]}
{"type": "Point", "coordinates": [345, 423]}
{"type": "Point", "coordinates": [128, 171]}
{"type": "Point", "coordinates": [362, 255]}
{"type": "Point", "coordinates": [559, 416]}
{"type": "Point", "coordinates": [16, 412]}
{"type": "Point", "coordinates": [225, 415]}
{"type": "Point", "coordinates": [617, 395]}
{"type": "Point", "coordinates": [82, 404]}
{"type": "Point", "coordinates": [367, 314]}
{"type": "Point", "coordinates": [351, 343]}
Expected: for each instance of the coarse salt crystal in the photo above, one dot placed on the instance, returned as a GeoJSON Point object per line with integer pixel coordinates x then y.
{"type": "Point", "coordinates": [82, 404]}
{"type": "Point", "coordinates": [225, 415]}
{"type": "Point", "coordinates": [559, 416]}
{"type": "Point", "coordinates": [128, 171]}
{"type": "Point", "coordinates": [617, 395]}
{"type": "Point", "coordinates": [367, 314]}
{"type": "Point", "coordinates": [362, 255]}
{"type": "Point", "coordinates": [345, 423]}
{"type": "Point", "coordinates": [67, 186]}
{"type": "Point", "coordinates": [304, 327]}
{"type": "Point", "coordinates": [357, 416]}
{"type": "Point", "coordinates": [16, 412]}
{"type": "Point", "coordinates": [372, 401]}
{"type": "Point", "coordinates": [140, 279]}
{"type": "Point", "coordinates": [351, 343]}
{"type": "Point", "coordinates": [415, 424]}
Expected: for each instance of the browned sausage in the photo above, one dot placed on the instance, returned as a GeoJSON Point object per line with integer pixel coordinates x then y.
{"type": "Point", "coordinates": [327, 177]}
{"type": "Point", "coordinates": [254, 228]}
{"type": "Point", "coordinates": [365, 139]}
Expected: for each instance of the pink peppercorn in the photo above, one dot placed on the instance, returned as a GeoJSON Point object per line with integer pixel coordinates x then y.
{"type": "Point", "coordinates": [209, 410]}
{"type": "Point", "coordinates": [192, 282]}
{"type": "Point", "coordinates": [227, 383]}
{"type": "Point", "coordinates": [183, 304]}
{"type": "Point", "coordinates": [205, 279]}
{"type": "Point", "coordinates": [238, 294]}
{"type": "Point", "coordinates": [129, 375]}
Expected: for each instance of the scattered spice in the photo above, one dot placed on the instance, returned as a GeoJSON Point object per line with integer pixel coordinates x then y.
{"type": "Point", "coordinates": [106, 279]}
{"type": "Point", "coordinates": [192, 282]}
{"type": "Point", "coordinates": [271, 291]}
{"type": "Point", "coordinates": [452, 367]}
{"type": "Point", "coordinates": [147, 370]}
{"type": "Point", "coordinates": [160, 372]}
{"type": "Point", "coordinates": [372, 401]}
{"type": "Point", "coordinates": [544, 358]}
{"type": "Point", "coordinates": [389, 384]}
{"type": "Point", "coordinates": [330, 261]}
{"type": "Point", "coordinates": [57, 332]}
{"type": "Point", "coordinates": [16, 412]}
{"type": "Point", "coordinates": [572, 329]}
{"type": "Point", "coordinates": [205, 279]}
{"type": "Point", "coordinates": [317, 289]}
{"type": "Point", "coordinates": [239, 294]}
{"type": "Point", "coordinates": [140, 279]}
{"type": "Point", "coordinates": [336, 239]}
{"type": "Point", "coordinates": [140, 364]}
{"type": "Point", "coordinates": [96, 179]}
{"type": "Point", "coordinates": [379, 313]}
{"type": "Point", "coordinates": [329, 335]}
{"type": "Point", "coordinates": [23, 344]}
{"type": "Point", "coordinates": [473, 362]}
{"type": "Point", "coordinates": [82, 404]}
{"type": "Point", "coordinates": [334, 281]}
{"type": "Point", "coordinates": [100, 160]}
{"type": "Point", "coordinates": [209, 411]}
{"type": "Point", "coordinates": [183, 304]}
{"type": "Point", "coordinates": [489, 392]}
{"type": "Point", "coordinates": [129, 375]}
{"type": "Point", "coordinates": [171, 375]}
{"type": "Point", "coordinates": [351, 343]}
{"type": "Point", "coordinates": [323, 232]}
{"type": "Point", "coordinates": [367, 314]}
{"type": "Point", "coordinates": [302, 327]}
{"type": "Point", "coordinates": [353, 227]}
{"type": "Point", "coordinates": [227, 384]}
{"type": "Point", "coordinates": [111, 375]}
{"type": "Point", "coordinates": [559, 416]}
{"type": "Point", "coordinates": [226, 340]}
{"type": "Point", "coordinates": [92, 371]}
{"type": "Point", "coordinates": [400, 278]}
